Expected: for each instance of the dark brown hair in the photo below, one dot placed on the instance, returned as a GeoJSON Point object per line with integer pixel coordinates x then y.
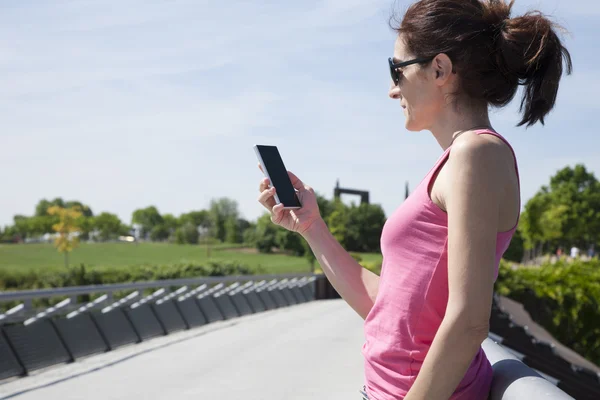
{"type": "Point", "coordinates": [492, 53]}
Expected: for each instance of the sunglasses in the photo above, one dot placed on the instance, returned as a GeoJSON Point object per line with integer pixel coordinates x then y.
{"type": "Point", "coordinates": [395, 66]}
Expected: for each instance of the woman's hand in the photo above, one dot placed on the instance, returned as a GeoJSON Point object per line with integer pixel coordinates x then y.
{"type": "Point", "coordinates": [293, 220]}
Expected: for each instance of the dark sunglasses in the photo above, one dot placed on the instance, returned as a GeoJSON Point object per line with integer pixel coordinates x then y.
{"type": "Point", "coordinates": [394, 67]}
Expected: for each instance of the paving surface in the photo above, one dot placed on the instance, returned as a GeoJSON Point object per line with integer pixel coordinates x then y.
{"type": "Point", "coordinates": [309, 351]}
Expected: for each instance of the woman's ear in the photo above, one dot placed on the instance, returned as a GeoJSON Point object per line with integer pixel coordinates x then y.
{"type": "Point", "coordinates": [442, 65]}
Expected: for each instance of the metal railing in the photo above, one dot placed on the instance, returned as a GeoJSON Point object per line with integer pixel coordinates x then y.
{"type": "Point", "coordinates": [512, 378]}
{"type": "Point", "coordinates": [26, 311]}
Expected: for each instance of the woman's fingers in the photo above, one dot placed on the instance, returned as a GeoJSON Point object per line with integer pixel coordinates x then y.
{"type": "Point", "coordinates": [277, 213]}
{"type": "Point", "coordinates": [296, 182]}
{"type": "Point", "coordinates": [266, 199]}
{"type": "Point", "coordinates": [264, 185]}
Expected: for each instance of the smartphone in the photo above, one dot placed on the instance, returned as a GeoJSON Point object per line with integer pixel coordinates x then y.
{"type": "Point", "coordinates": [274, 169]}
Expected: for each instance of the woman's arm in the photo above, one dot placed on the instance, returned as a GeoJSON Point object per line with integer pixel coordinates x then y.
{"type": "Point", "coordinates": [477, 176]}
{"type": "Point", "coordinates": [357, 285]}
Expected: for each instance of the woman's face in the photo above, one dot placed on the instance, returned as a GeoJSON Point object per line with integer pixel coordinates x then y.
{"type": "Point", "coordinates": [420, 97]}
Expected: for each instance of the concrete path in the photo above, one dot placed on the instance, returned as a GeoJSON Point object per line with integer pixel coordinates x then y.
{"type": "Point", "coordinates": [309, 351]}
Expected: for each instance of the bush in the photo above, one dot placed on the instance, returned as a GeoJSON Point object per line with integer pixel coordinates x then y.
{"type": "Point", "coordinates": [563, 298]}
{"type": "Point", "coordinates": [159, 232]}
{"type": "Point", "coordinates": [82, 276]}
{"type": "Point", "coordinates": [187, 234]}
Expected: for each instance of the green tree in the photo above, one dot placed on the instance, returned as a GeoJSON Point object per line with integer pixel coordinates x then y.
{"type": "Point", "coordinates": [41, 209]}
{"type": "Point", "coordinates": [357, 228]}
{"type": "Point", "coordinates": [109, 225]}
{"type": "Point", "coordinates": [530, 220]}
{"type": "Point", "coordinates": [147, 218]}
{"type": "Point", "coordinates": [337, 221]}
{"type": "Point", "coordinates": [579, 191]}
{"type": "Point", "coordinates": [85, 210]}
{"type": "Point", "coordinates": [22, 226]}
{"type": "Point", "coordinates": [365, 224]}
{"type": "Point", "coordinates": [309, 255]}
{"type": "Point", "coordinates": [187, 234]}
{"type": "Point", "coordinates": [266, 232]}
{"type": "Point", "coordinates": [249, 235]}
{"type": "Point", "coordinates": [232, 232]}
{"type": "Point", "coordinates": [197, 218]}
{"type": "Point", "coordinates": [234, 229]}
{"type": "Point", "coordinates": [159, 233]}
{"type": "Point", "coordinates": [515, 250]}
{"type": "Point", "coordinates": [326, 207]}
{"type": "Point", "coordinates": [243, 224]}
{"type": "Point", "coordinates": [41, 225]}
{"type": "Point", "coordinates": [86, 226]}
{"type": "Point", "coordinates": [220, 211]}
{"type": "Point", "coordinates": [9, 235]}
{"type": "Point", "coordinates": [171, 222]}
{"type": "Point", "coordinates": [290, 241]}
{"type": "Point", "coordinates": [567, 211]}
{"type": "Point", "coordinates": [43, 205]}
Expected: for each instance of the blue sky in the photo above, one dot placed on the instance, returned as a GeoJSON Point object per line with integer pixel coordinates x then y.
{"type": "Point", "coordinates": [125, 104]}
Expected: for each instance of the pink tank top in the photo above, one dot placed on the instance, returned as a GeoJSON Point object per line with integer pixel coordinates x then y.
{"type": "Point", "coordinates": [412, 298]}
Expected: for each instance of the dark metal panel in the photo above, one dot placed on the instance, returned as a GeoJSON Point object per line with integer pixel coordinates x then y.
{"type": "Point", "coordinates": [81, 335]}
{"type": "Point", "coordinates": [241, 303]}
{"type": "Point", "coordinates": [309, 290]}
{"type": "Point", "coordinates": [37, 345]}
{"type": "Point", "coordinates": [289, 297]}
{"type": "Point", "coordinates": [9, 365]}
{"type": "Point", "coordinates": [278, 297]}
{"type": "Point", "coordinates": [579, 391]}
{"type": "Point", "coordinates": [267, 299]}
{"type": "Point", "coordinates": [169, 316]}
{"type": "Point", "coordinates": [226, 306]}
{"type": "Point", "coordinates": [191, 312]}
{"type": "Point", "coordinates": [209, 309]}
{"type": "Point", "coordinates": [255, 302]}
{"type": "Point", "coordinates": [145, 322]}
{"type": "Point", "coordinates": [116, 328]}
{"type": "Point", "coordinates": [298, 294]}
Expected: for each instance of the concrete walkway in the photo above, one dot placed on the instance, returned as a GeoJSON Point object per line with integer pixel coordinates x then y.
{"type": "Point", "coordinates": [309, 351]}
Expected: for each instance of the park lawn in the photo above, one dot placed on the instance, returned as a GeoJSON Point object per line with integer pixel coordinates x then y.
{"type": "Point", "coordinates": [110, 255]}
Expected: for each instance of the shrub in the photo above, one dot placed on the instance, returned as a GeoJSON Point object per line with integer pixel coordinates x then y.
{"type": "Point", "coordinates": [82, 276]}
{"type": "Point", "coordinates": [563, 298]}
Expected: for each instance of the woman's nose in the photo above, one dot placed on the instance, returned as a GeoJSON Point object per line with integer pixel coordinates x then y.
{"type": "Point", "coordinates": [395, 93]}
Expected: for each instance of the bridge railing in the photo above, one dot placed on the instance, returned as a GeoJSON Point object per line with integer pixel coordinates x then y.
{"type": "Point", "coordinates": [33, 338]}
{"type": "Point", "coordinates": [513, 380]}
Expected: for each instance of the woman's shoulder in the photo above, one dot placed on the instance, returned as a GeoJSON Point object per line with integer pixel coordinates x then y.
{"type": "Point", "coordinates": [479, 159]}
{"type": "Point", "coordinates": [482, 148]}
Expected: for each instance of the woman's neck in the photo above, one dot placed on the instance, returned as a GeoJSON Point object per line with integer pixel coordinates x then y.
{"type": "Point", "coordinates": [452, 124]}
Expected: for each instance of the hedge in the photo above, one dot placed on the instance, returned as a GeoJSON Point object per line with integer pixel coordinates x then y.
{"type": "Point", "coordinates": [562, 297]}
{"type": "Point", "coordinates": [82, 276]}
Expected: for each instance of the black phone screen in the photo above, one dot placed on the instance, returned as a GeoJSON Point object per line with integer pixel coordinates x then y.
{"type": "Point", "coordinates": [272, 162]}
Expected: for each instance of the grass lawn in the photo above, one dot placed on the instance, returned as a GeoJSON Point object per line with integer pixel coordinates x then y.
{"type": "Point", "coordinates": [99, 255]}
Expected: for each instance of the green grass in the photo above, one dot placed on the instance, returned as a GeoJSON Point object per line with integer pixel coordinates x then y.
{"type": "Point", "coordinates": [110, 255]}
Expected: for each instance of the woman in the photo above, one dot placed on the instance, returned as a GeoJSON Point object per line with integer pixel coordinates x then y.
{"type": "Point", "coordinates": [427, 314]}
